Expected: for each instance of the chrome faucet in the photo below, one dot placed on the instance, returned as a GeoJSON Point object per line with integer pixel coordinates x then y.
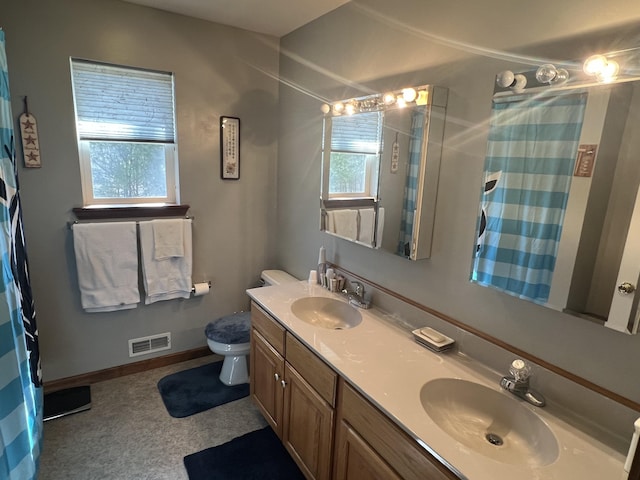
{"type": "Point", "coordinates": [518, 383]}
{"type": "Point", "coordinates": [356, 297]}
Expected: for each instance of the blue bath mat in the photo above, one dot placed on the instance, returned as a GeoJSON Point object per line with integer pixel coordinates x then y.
{"type": "Point", "coordinates": [197, 389]}
{"type": "Point", "coordinates": [257, 455]}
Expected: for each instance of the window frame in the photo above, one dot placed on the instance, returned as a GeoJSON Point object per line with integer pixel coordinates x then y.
{"type": "Point", "coordinates": [86, 178]}
{"type": "Point", "coordinates": [170, 152]}
{"type": "Point", "coordinates": [370, 159]}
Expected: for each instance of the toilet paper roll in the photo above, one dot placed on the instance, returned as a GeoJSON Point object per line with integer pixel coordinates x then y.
{"type": "Point", "coordinates": [200, 289]}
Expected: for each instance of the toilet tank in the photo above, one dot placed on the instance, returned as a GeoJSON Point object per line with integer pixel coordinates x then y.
{"type": "Point", "coordinates": [276, 277]}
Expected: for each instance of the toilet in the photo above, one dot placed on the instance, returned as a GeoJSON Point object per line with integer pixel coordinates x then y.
{"type": "Point", "coordinates": [229, 335]}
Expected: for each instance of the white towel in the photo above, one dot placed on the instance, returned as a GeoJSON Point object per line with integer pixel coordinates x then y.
{"type": "Point", "coordinates": [330, 226]}
{"type": "Point", "coordinates": [168, 238]}
{"type": "Point", "coordinates": [170, 277]}
{"type": "Point", "coordinates": [380, 229]}
{"type": "Point", "coordinates": [367, 225]}
{"type": "Point", "coordinates": [107, 263]}
{"type": "Point", "coordinates": [346, 223]}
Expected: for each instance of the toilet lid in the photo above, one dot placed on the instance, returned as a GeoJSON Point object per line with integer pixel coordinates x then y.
{"type": "Point", "coordinates": [230, 329]}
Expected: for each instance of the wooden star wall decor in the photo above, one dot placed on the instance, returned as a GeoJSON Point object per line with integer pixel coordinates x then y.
{"type": "Point", "coordinates": [30, 144]}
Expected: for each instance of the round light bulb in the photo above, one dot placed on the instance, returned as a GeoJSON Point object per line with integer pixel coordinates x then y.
{"type": "Point", "coordinates": [594, 64]}
{"type": "Point", "coordinates": [350, 109]}
{"type": "Point", "coordinates": [505, 78]}
{"type": "Point", "coordinates": [546, 73]}
{"type": "Point", "coordinates": [389, 99]}
{"type": "Point", "coordinates": [325, 108]}
{"type": "Point", "coordinates": [409, 94]}
{"type": "Point", "coordinates": [338, 108]}
{"type": "Point", "coordinates": [562, 76]}
{"type": "Point", "coordinates": [609, 73]}
{"type": "Point", "coordinates": [520, 81]}
{"type": "Point", "coordinates": [401, 102]}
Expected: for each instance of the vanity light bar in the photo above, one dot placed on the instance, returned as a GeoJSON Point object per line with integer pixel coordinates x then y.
{"type": "Point", "coordinates": [604, 70]}
{"type": "Point", "coordinates": [372, 103]}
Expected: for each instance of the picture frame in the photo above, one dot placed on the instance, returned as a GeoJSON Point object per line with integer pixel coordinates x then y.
{"type": "Point", "coordinates": [229, 148]}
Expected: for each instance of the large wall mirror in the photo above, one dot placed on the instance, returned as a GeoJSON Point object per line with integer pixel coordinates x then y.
{"type": "Point", "coordinates": [380, 167]}
{"type": "Point", "coordinates": [559, 217]}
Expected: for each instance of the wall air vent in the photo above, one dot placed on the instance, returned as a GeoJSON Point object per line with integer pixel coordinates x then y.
{"type": "Point", "coordinates": [153, 343]}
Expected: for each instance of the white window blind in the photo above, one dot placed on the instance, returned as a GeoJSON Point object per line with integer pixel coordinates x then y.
{"type": "Point", "coordinates": [123, 104]}
{"type": "Point", "coordinates": [360, 133]}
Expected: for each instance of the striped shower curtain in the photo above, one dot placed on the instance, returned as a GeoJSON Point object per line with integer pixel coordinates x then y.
{"type": "Point", "coordinates": [20, 375]}
{"type": "Point", "coordinates": [411, 183]}
{"type": "Point", "coordinates": [530, 160]}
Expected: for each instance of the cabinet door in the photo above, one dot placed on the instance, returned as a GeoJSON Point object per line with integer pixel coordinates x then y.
{"type": "Point", "coordinates": [357, 460]}
{"type": "Point", "coordinates": [308, 427]}
{"type": "Point", "coordinates": [267, 375]}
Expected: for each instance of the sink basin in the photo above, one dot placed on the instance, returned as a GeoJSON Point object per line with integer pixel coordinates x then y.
{"type": "Point", "coordinates": [489, 422]}
{"type": "Point", "coordinates": [326, 312]}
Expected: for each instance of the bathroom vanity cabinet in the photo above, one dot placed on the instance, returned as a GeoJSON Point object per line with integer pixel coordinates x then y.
{"type": "Point", "coordinates": [307, 404]}
{"type": "Point", "coordinates": [296, 393]}
{"type": "Point", "coordinates": [369, 445]}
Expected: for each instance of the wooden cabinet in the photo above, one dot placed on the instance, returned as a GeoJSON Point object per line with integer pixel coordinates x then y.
{"type": "Point", "coordinates": [367, 436]}
{"type": "Point", "coordinates": [306, 403]}
{"type": "Point", "coordinates": [356, 460]}
{"type": "Point", "coordinates": [267, 371]}
{"type": "Point", "coordinates": [295, 391]}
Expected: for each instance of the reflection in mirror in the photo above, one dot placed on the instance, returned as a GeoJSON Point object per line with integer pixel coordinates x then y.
{"type": "Point", "coordinates": [381, 161]}
{"type": "Point", "coordinates": [557, 210]}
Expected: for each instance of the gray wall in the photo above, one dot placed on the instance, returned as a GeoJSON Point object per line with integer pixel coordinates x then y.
{"type": "Point", "coordinates": [387, 45]}
{"type": "Point", "coordinates": [217, 72]}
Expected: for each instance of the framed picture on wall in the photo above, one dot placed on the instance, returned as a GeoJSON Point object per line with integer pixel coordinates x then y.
{"type": "Point", "coordinates": [230, 148]}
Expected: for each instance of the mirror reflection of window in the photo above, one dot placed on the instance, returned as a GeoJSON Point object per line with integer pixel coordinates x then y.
{"type": "Point", "coordinates": [355, 147]}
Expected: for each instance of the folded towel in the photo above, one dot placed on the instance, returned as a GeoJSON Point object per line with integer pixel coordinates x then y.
{"type": "Point", "coordinates": [380, 229]}
{"type": "Point", "coordinates": [330, 226]}
{"type": "Point", "coordinates": [107, 264]}
{"type": "Point", "coordinates": [346, 223]}
{"type": "Point", "coordinates": [168, 238]}
{"type": "Point", "coordinates": [170, 277]}
{"type": "Point", "coordinates": [367, 225]}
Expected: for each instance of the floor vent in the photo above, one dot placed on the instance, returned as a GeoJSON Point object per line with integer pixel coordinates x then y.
{"type": "Point", "coordinates": [153, 343]}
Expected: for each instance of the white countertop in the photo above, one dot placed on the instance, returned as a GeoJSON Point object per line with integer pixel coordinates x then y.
{"type": "Point", "coordinates": [390, 368]}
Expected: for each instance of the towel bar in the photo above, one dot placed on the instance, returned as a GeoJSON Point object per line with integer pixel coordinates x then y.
{"type": "Point", "coordinates": [75, 222]}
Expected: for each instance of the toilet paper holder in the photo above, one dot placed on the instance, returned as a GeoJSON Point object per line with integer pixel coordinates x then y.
{"type": "Point", "coordinates": [193, 288]}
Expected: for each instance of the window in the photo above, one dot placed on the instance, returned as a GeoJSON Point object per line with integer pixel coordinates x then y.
{"type": "Point", "coordinates": [355, 146]}
{"type": "Point", "coordinates": [126, 135]}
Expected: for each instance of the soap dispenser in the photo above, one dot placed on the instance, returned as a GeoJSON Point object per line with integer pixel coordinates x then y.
{"type": "Point", "coordinates": [322, 267]}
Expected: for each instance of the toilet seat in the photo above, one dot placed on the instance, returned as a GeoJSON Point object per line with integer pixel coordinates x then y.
{"type": "Point", "coordinates": [229, 336]}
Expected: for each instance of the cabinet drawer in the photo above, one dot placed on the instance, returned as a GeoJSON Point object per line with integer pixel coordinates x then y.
{"type": "Point", "coordinates": [317, 373]}
{"type": "Point", "coordinates": [397, 448]}
{"type": "Point", "coordinates": [271, 330]}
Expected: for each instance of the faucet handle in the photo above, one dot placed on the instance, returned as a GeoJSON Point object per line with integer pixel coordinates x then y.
{"type": "Point", "coordinates": [359, 289]}
{"type": "Point", "coordinates": [520, 370]}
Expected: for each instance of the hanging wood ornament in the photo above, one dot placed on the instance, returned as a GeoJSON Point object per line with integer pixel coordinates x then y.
{"type": "Point", "coordinates": [29, 133]}
{"type": "Point", "coordinates": [395, 155]}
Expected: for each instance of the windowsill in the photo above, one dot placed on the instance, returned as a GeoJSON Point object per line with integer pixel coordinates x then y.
{"type": "Point", "coordinates": [99, 212]}
{"type": "Point", "coordinates": [349, 202]}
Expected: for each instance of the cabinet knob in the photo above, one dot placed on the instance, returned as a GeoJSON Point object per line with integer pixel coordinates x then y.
{"type": "Point", "coordinates": [277, 377]}
{"type": "Point", "coordinates": [283, 383]}
{"type": "Point", "coordinates": [626, 288]}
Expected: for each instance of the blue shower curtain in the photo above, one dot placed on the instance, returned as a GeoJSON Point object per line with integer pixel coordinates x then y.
{"type": "Point", "coordinates": [20, 374]}
{"type": "Point", "coordinates": [528, 169]}
{"type": "Point", "coordinates": [411, 183]}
